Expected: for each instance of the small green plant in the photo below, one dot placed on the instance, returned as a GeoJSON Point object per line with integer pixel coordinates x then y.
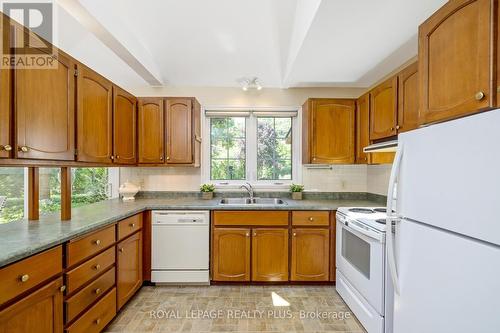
{"type": "Point", "coordinates": [296, 188]}
{"type": "Point", "coordinates": [207, 187]}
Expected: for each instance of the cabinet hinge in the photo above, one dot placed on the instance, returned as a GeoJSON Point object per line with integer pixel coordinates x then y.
{"type": "Point", "coordinates": [76, 72]}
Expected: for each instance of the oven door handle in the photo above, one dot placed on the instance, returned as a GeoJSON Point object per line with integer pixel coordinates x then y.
{"type": "Point", "coordinates": [365, 235]}
{"type": "Point", "coordinates": [391, 257]}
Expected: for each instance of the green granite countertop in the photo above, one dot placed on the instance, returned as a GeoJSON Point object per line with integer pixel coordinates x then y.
{"type": "Point", "coordinates": [21, 239]}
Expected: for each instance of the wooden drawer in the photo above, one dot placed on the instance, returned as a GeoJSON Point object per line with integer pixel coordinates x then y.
{"type": "Point", "coordinates": [88, 295]}
{"type": "Point", "coordinates": [81, 248]}
{"type": "Point", "coordinates": [28, 273]}
{"type": "Point", "coordinates": [312, 218]}
{"type": "Point", "coordinates": [129, 226]}
{"type": "Point", "coordinates": [257, 218]}
{"type": "Point", "coordinates": [97, 317]}
{"type": "Point", "coordinates": [89, 269]}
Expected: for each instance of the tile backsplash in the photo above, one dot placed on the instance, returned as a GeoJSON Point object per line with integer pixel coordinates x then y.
{"type": "Point", "coordinates": [338, 178]}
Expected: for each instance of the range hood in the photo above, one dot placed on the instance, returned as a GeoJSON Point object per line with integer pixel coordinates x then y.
{"type": "Point", "coordinates": [382, 147]}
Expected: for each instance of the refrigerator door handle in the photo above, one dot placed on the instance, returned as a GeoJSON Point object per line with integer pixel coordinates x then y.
{"type": "Point", "coordinates": [391, 217]}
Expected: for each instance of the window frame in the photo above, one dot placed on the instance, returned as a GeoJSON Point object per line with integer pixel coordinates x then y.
{"type": "Point", "coordinates": [251, 149]}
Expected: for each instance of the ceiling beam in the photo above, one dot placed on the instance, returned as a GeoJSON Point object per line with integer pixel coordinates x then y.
{"type": "Point", "coordinates": [129, 49]}
{"type": "Point", "coordinates": [305, 13]}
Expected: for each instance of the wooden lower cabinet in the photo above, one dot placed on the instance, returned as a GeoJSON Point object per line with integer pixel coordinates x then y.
{"type": "Point", "coordinates": [40, 311]}
{"type": "Point", "coordinates": [129, 270]}
{"type": "Point", "coordinates": [97, 317]}
{"type": "Point", "coordinates": [269, 254]}
{"type": "Point", "coordinates": [231, 254]}
{"type": "Point", "coordinates": [310, 254]}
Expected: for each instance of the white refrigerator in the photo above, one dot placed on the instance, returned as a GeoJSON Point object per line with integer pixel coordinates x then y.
{"type": "Point", "coordinates": [444, 259]}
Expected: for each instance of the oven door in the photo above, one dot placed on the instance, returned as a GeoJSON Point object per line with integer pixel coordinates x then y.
{"type": "Point", "coordinates": [360, 258]}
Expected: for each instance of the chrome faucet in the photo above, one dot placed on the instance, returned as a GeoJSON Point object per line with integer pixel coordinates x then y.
{"type": "Point", "coordinates": [247, 186]}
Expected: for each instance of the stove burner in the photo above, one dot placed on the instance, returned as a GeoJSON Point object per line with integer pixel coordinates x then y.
{"type": "Point", "coordinates": [361, 210]}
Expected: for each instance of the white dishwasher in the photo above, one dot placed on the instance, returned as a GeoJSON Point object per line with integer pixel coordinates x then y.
{"type": "Point", "coordinates": [180, 247]}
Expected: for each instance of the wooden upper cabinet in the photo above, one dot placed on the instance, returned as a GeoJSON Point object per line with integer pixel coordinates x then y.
{"type": "Point", "coordinates": [328, 131]}
{"type": "Point", "coordinates": [41, 311]}
{"type": "Point", "coordinates": [231, 254]}
{"type": "Point", "coordinates": [129, 271]}
{"type": "Point", "coordinates": [408, 101]}
{"type": "Point", "coordinates": [6, 144]}
{"type": "Point", "coordinates": [270, 254]}
{"type": "Point", "coordinates": [310, 254]}
{"type": "Point", "coordinates": [124, 127]}
{"type": "Point", "coordinates": [44, 107]}
{"type": "Point", "coordinates": [180, 137]}
{"type": "Point", "coordinates": [456, 47]}
{"type": "Point", "coordinates": [362, 128]}
{"type": "Point", "coordinates": [151, 130]}
{"type": "Point", "coordinates": [383, 109]}
{"type": "Point", "coordinates": [95, 117]}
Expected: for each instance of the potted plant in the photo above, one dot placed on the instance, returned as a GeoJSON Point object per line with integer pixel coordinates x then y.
{"type": "Point", "coordinates": [207, 191]}
{"type": "Point", "coordinates": [296, 190]}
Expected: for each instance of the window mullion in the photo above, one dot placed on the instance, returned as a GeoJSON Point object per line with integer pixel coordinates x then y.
{"type": "Point", "coordinates": [251, 146]}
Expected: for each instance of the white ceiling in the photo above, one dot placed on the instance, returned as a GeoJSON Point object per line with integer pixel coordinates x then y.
{"type": "Point", "coordinates": [286, 43]}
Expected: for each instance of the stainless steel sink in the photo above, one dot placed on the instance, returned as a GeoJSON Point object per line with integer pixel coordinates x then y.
{"type": "Point", "coordinates": [253, 201]}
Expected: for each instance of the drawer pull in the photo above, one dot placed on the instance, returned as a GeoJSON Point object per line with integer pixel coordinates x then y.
{"type": "Point", "coordinates": [97, 291]}
{"type": "Point", "coordinates": [121, 249]}
{"type": "Point", "coordinates": [97, 321]}
{"type": "Point", "coordinates": [23, 149]}
{"type": "Point", "coordinates": [97, 267]}
{"type": "Point", "coordinates": [24, 278]}
{"type": "Point", "coordinates": [97, 242]}
{"type": "Point", "coordinates": [132, 225]}
{"type": "Point", "coordinates": [62, 288]}
{"type": "Point", "coordinates": [479, 95]}
{"type": "Point", "coordinates": [311, 219]}
{"type": "Point", "coordinates": [294, 234]}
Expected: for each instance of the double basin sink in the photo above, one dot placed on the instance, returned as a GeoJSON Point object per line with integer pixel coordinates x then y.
{"type": "Point", "coordinates": [252, 201]}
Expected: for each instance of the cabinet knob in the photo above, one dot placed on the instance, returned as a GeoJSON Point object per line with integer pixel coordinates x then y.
{"type": "Point", "coordinates": [255, 234]}
{"type": "Point", "coordinates": [161, 158]}
{"type": "Point", "coordinates": [117, 157]}
{"type": "Point", "coordinates": [97, 321]}
{"type": "Point", "coordinates": [97, 267]}
{"type": "Point", "coordinates": [247, 234]}
{"type": "Point", "coordinates": [479, 95]}
{"type": "Point", "coordinates": [24, 278]}
{"type": "Point", "coordinates": [6, 147]}
{"type": "Point", "coordinates": [121, 250]}
{"type": "Point", "coordinates": [398, 127]}
{"type": "Point", "coordinates": [294, 234]}
{"type": "Point", "coordinates": [311, 218]}
{"type": "Point", "coordinates": [392, 128]}
{"type": "Point", "coordinates": [62, 288]}
{"type": "Point", "coordinates": [132, 225]}
{"type": "Point", "coordinates": [97, 291]}
{"type": "Point", "coordinates": [97, 242]}
{"type": "Point", "coordinates": [24, 149]}
{"type": "Point", "coordinates": [168, 158]}
{"type": "Point", "coordinates": [111, 157]}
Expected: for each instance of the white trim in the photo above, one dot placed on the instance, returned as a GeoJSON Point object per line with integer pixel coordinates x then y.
{"type": "Point", "coordinates": [114, 182]}
{"type": "Point", "coordinates": [251, 151]}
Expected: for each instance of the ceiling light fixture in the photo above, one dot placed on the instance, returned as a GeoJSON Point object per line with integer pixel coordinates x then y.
{"type": "Point", "coordinates": [250, 83]}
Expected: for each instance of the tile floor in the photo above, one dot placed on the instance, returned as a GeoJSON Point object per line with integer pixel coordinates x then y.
{"type": "Point", "coordinates": [236, 309]}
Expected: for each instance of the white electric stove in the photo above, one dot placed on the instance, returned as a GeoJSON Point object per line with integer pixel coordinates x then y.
{"type": "Point", "coordinates": [361, 266]}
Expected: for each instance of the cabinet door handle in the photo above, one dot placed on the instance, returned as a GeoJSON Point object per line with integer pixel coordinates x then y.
{"type": "Point", "coordinates": [111, 157]}
{"type": "Point", "coordinates": [255, 234]}
{"type": "Point", "coordinates": [24, 278]}
{"type": "Point", "coordinates": [97, 267]}
{"type": "Point", "coordinates": [132, 225]}
{"type": "Point", "coordinates": [168, 158]}
{"type": "Point", "coordinates": [6, 147]}
{"type": "Point", "coordinates": [97, 242]}
{"type": "Point", "coordinates": [247, 234]}
{"type": "Point", "coordinates": [97, 291]}
{"type": "Point", "coordinates": [398, 127]}
{"type": "Point", "coordinates": [479, 95]}
{"type": "Point", "coordinates": [294, 234]}
{"type": "Point", "coordinates": [121, 250]}
{"type": "Point", "coordinates": [97, 321]}
{"type": "Point", "coordinates": [62, 288]}
{"type": "Point", "coordinates": [161, 158]}
{"type": "Point", "coordinates": [311, 218]}
{"type": "Point", "coordinates": [24, 149]}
